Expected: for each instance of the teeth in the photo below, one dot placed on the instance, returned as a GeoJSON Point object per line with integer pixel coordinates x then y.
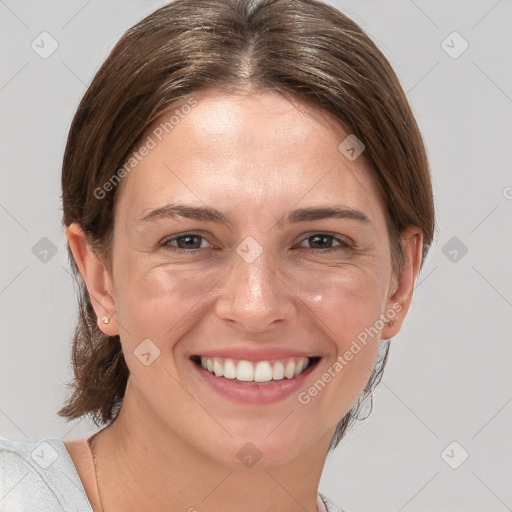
{"type": "Point", "coordinates": [229, 369]}
{"type": "Point", "coordinates": [299, 367]}
{"type": "Point", "coordinates": [244, 371]}
{"type": "Point", "coordinates": [218, 369]}
{"type": "Point", "coordinates": [278, 371]}
{"type": "Point", "coordinates": [289, 370]}
{"type": "Point", "coordinates": [262, 371]}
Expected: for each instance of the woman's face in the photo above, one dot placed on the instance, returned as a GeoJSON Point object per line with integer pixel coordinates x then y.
{"type": "Point", "coordinates": [228, 251]}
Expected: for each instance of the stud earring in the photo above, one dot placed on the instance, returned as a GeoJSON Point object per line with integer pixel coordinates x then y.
{"type": "Point", "coordinates": [105, 320]}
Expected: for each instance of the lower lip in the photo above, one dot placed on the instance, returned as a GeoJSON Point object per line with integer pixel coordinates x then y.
{"type": "Point", "coordinates": [253, 392]}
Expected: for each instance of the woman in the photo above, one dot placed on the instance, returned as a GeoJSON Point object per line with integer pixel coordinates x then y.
{"type": "Point", "coordinates": [247, 203]}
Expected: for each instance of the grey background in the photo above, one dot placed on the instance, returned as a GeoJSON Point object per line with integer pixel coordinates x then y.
{"type": "Point", "coordinates": [448, 377]}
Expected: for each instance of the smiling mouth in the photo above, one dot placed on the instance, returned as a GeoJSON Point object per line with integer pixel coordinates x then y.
{"type": "Point", "coordinates": [245, 371]}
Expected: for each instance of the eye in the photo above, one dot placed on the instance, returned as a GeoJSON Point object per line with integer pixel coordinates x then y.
{"type": "Point", "coordinates": [191, 242]}
{"type": "Point", "coordinates": [323, 242]}
{"type": "Point", "coordinates": [187, 242]}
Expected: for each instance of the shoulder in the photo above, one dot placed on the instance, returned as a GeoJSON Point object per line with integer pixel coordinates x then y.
{"type": "Point", "coordinates": [39, 476]}
{"type": "Point", "coordinates": [330, 505]}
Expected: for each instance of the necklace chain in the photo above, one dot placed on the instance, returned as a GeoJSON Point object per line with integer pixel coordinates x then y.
{"type": "Point", "coordinates": [90, 442]}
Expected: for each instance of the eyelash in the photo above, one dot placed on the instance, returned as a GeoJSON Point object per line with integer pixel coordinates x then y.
{"type": "Point", "coordinates": [343, 245]}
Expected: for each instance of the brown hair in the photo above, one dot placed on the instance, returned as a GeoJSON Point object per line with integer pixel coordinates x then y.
{"type": "Point", "coordinates": [298, 48]}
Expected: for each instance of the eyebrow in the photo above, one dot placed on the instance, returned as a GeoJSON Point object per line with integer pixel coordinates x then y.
{"type": "Point", "coordinates": [189, 212]}
{"type": "Point", "coordinates": [293, 217]}
{"type": "Point", "coordinates": [323, 212]}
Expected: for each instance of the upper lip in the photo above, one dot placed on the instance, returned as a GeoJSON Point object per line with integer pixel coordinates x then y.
{"type": "Point", "coordinates": [253, 355]}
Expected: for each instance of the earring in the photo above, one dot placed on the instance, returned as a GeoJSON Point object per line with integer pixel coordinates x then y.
{"type": "Point", "coordinates": [105, 320]}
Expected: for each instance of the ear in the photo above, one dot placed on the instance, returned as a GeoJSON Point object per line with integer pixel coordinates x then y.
{"type": "Point", "coordinates": [96, 279]}
{"type": "Point", "coordinates": [402, 287]}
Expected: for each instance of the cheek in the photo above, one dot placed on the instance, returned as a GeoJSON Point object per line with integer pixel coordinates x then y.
{"type": "Point", "coordinates": [156, 302]}
{"type": "Point", "coordinates": [343, 301]}
{"type": "Point", "coordinates": [159, 302]}
{"type": "Point", "coordinates": [346, 307]}
{"type": "Point", "coordinates": [166, 303]}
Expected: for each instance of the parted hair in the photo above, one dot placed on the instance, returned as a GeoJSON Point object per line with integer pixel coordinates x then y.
{"type": "Point", "coordinates": [301, 49]}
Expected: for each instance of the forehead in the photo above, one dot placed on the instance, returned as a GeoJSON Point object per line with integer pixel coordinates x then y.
{"type": "Point", "coordinates": [261, 150]}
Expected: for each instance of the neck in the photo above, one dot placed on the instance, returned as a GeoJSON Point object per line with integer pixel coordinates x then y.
{"type": "Point", "coordinates": [142, 465]}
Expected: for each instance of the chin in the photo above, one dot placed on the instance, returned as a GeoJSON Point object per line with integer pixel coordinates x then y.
{"type": "Point", "coordinates": [258, 447]}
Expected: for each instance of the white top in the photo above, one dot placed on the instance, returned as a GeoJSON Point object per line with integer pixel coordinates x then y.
{"type": "Point", "coordinates": [41, 477]}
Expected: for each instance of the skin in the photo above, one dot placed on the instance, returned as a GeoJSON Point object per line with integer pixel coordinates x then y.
{"type": "Point", "coordinates": [255, 158]}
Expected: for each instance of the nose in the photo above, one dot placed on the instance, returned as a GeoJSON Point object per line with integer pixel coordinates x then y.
{"type": "Point", "coordinates": [255, 297]}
